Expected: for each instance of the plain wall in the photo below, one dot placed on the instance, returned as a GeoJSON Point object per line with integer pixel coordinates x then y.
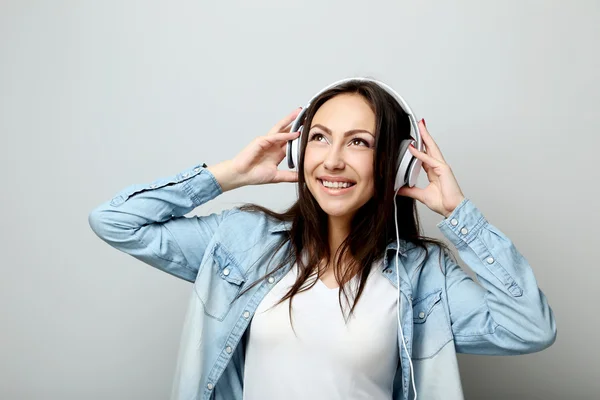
{"type": "Point", "coordinates": [98, 95]}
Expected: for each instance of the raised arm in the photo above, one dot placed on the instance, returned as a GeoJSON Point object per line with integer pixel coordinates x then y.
{"type": "Point", "coordinates": [148, 220]}
{"type": "Point", "coordinates": [505, 312]}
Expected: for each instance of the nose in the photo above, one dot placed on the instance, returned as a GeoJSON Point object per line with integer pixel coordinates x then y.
{"type": "Point", "coordinates": [333, 159]}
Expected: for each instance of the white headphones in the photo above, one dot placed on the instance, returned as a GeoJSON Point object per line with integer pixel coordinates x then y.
{"type": "Point", "coordinates": [409, 167]}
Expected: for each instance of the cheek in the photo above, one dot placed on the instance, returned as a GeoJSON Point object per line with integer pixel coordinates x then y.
{"type": "Point", "coordinates": [310, 161]}
{"type": "Point", "coordinates": [366, 168]}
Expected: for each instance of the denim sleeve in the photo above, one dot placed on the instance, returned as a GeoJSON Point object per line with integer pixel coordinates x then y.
{"type": "Point", "coordinates": [506, 313]}
{"type": "Point", "coordinates": [147, 221]}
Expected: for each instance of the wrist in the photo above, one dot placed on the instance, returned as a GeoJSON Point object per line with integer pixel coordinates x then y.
{"type": "Point", "coordinates": [457, 203]}
{"type": "Point", "coordinates": [226, 176]}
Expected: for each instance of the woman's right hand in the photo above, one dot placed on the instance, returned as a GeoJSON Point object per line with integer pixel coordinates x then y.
{"type": "Point", "coordinates": [258, 162]}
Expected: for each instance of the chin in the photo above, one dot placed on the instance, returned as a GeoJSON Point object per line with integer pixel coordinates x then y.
{"type": "Point", "coordinates": [337, 210]}
{"type": "Point", "coordinates": [340, 207]}
{"type": "Point", "coordinates": [336, 213]}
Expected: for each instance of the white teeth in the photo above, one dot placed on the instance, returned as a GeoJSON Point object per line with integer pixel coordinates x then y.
{"type": "Point", "coordinates": [336, 185]}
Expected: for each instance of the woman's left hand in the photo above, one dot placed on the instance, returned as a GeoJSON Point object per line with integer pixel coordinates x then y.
{"type": "Point", "coordinates": [443, 194]}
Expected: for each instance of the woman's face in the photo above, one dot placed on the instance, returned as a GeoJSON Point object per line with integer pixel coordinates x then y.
{"type": "Point", "coordinates": [338, 159]}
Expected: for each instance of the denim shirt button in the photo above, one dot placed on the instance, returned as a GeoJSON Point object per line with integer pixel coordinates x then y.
{"type": "Point", "coordinates": [490, 260]}
{"type": "Point", "coordinates": [246, 314]}
{"type": "Point", "coordinates": [271, 279]}
{"type": "Point", "coordinates": [464, 231]}
{"type": "Point", "coordinates": [454, 222]}
{"type": "Point", "coordinates": [210, 386]}
{"type": "Point", "coordinates": [421, 315]}
{"type": "Point", "coordinates": [228, 349]}
{"type": "Point", "coordinates": [226, 271]}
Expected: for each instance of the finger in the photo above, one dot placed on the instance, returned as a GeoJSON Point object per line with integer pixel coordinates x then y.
{"type": "Point", "coordinates": [281, 138]}
{"type": "Point", "coordinates": [432, 147]}
{"type": "Point", "coordinates": [288, 120]}
{"type": "Point", "coordinates": [286, 176]}
{"type": "Point", "coordinates": [426, 158]}
{"type": "Point", "coordinates": [426, 167]}
{"type": "Point", "coordinates": [287, 128]}
{"type": "Point", "coordinates": [412, 192]}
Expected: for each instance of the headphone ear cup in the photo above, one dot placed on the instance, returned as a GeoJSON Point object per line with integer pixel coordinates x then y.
{"type": "Point", "coordinates": [295, 149]}
{"type": "Point", "coordinates": [413, 172]}
{"type": "Point", "coordinates": [292, 150]}
{"type": "Point", "coordinates": [406, 160]}
{"type": "Point", "coordinates": [289, 151]}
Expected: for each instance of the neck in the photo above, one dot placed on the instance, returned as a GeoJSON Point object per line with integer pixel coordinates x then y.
{"type": "Point", "coordinates": [338, 230]}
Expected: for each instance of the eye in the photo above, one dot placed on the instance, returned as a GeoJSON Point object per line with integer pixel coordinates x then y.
{"type": "Point", "coordinates": [316, 135]}
{"type": "Point", "coordinates": [359, 141]}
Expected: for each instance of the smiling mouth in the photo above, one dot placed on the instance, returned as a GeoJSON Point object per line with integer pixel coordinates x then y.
{"type": "Point", "coordinates": [336, 185]}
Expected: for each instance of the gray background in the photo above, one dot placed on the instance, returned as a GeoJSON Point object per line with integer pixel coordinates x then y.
{"type": "Point", "coordinates": [98, 95]}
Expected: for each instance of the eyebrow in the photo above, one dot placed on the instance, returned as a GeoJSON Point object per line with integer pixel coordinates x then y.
{"type": "Point", "coordinates": [348, 133]}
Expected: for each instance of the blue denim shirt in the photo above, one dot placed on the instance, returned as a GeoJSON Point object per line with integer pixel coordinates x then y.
{"type": "Point", "coordinates": [443, 311]}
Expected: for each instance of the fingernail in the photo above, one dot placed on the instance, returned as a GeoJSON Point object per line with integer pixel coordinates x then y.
{"type": "Point", "coordinates": [423, 119]}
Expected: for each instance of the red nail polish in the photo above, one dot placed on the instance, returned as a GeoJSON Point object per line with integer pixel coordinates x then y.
{"type": "Point", "coordinates": [423, 119]}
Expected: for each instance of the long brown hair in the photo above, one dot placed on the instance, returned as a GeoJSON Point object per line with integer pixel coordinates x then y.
{"type": "Point", "coordinates": [372, 227]}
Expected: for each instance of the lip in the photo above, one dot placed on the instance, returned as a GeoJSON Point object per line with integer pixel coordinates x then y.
{"type": "Point", "coordinates": [335, 192]}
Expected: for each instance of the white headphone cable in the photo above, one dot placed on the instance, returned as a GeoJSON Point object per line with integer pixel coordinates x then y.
{"type": "Point", "coordinates": [398, 304]}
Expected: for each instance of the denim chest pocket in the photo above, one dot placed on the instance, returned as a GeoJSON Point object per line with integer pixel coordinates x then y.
{"type": "Point", "coordinates": [431, 326]}
{"type": "Point", "coordinates": [220, 279]}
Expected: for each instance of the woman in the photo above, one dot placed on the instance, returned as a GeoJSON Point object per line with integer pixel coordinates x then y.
{"type": "Point", "coordinates": [339, 297]}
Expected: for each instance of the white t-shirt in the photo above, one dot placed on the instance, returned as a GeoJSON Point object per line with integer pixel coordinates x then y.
{"type": "Point", "coordinates": [328, 359]}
